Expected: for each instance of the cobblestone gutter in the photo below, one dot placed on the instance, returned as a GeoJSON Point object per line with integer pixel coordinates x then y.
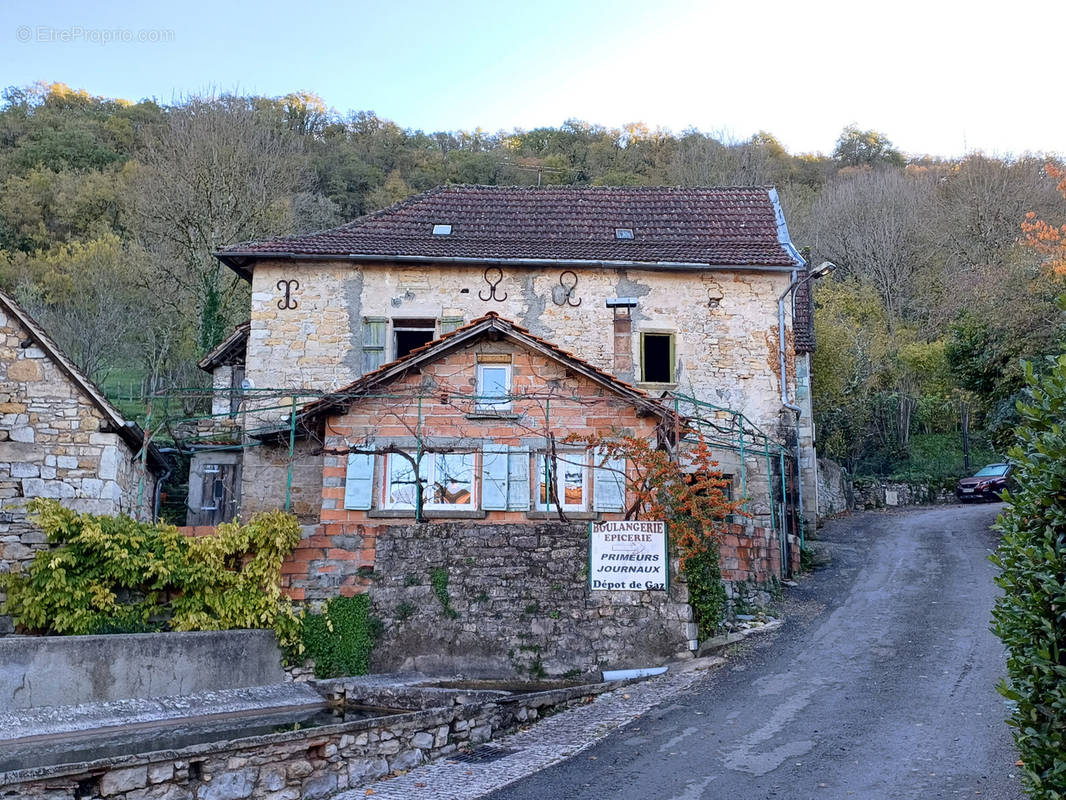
{"type": "Point", "coordinates": [311, 763]}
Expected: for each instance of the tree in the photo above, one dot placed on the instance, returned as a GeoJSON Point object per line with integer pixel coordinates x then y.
{"type": "Point", "coordinates": [90, 297]}
{"type": "Point", "coordinates": [1028, 617]}
{"type": "Point", "coordinates": [1045, 238]}
{"type": "Point", "coordinates": [869, 224]}
{"type": "Point", "coordinates": [858, 148]}
{"type": "Point", "coordinates": [212, 176]}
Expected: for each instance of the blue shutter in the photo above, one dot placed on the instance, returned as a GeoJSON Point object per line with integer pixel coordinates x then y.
{"type": "Point", "coordinates": [494, 477]}
{"type": "Point", "coordinates": [609, 483]}
{"type": "Point", "coordinates": [359, 483]}
{"type": "Point", "coordinates": [518, 479]}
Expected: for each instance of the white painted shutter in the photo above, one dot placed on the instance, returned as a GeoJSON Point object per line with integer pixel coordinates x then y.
{"type": "Point", "coordinates": [359, 483]}
{"type": "Point", "coordinates": [494, 477]}
{"type": "Point", "coordinates": [518, 479]}
{"type": "Point", "coordinates": [609, 487]}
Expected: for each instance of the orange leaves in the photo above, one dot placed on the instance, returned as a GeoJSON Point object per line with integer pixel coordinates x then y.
{"type": "Point", "coordinates": [1044, 237]}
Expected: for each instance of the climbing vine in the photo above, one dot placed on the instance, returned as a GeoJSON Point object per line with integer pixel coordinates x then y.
{"type": "Point", "coordinates": [113, 574]}
{"type": "Point", "coordinates": [340, 638]}
{"type": "Point", "coordinates": [691, 498]}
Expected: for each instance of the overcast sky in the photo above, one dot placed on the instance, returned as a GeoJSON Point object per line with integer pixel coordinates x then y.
{"type": "Point", "coordinates": [937, 77]}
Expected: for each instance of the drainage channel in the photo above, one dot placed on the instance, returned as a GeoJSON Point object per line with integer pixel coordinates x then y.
{"type": "Point", "coordinates": [58, 749]}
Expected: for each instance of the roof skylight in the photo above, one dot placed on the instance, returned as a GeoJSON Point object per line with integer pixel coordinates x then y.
{"type": "Point", "coordinates": [623, 233]}
{"type": "Point", "coordinates": [442, 230]}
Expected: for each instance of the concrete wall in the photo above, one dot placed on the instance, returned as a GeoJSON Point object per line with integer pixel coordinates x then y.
{"type": "Point", "coordinates": [67, 670]}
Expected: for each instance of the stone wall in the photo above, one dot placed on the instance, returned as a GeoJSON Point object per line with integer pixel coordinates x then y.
{"type": "Point", "coordinates": [838, 493]}
{"type": "Point", "coordinates": [310, 763]}
{"type": "Point", "coordinates": [52, 445]}
{"type": "Point", "coordinates": [264, 474]}
{"type": "Point", "coordinates": [520, 604]}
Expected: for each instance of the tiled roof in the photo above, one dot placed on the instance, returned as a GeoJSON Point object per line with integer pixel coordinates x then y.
{"type": "Point", "coordinates": [492, 321]}
{"type": "Point", "coordinates": [229, 351]}
{"type": "Point", "coordinates": [730, 226]}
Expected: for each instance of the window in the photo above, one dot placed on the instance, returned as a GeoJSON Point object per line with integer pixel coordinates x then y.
{"type": "Point", "coordinates": [623, 233]}
{"type": "Point", "coordinates": [410, 334]}
{"type": "Point", "coordinates": [567, 473]}
{"type": "Point", "coordinates": [446, 482]}
{"type": "Point", "coordinates": [657, 357]}
{"type": "Point", "coordinates": [373, 343]}
{"type": "Point", "coordinates": [442, 230]}
{"type": "Point", "coordinates": [493, 387]}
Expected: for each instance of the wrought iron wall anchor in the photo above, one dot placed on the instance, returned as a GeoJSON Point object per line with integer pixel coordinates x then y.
{"type": "Point", "coordinates": [289, 287]}
{"type": "Point", "coordinates": [491, 295]}
{"type": "Point", "coordinates": [563, 294]}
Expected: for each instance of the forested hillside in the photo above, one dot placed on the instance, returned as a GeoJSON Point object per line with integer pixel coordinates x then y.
{"type": "Point", "coordinates": [109, 211]}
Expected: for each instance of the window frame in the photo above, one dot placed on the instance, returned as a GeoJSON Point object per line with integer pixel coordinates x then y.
{"type": "Point", "coordinates": [427, 474]}
{"type": "Point", "coordinates": [563, 457]}
{"type": "Point", "coordinates": [498, 406]}
{"type": "Point", "coordinates": [671, 364]}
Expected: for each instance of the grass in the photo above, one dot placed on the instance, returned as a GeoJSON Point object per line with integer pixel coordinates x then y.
{"type": "Point", "coordinates": [939, 457]}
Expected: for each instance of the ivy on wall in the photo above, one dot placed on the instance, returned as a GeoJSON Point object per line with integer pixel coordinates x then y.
{"type": "Point", "coordinates": [339, 639]}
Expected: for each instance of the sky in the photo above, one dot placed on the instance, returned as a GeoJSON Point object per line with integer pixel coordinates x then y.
{"type": "Point", "coordinates": [938, 77]}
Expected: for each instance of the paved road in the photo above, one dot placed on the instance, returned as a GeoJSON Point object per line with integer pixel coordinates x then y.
{"type": "Point", "coordinates": [880, 685]}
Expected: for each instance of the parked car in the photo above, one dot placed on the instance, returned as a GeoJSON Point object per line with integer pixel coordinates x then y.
{"type": "Point", "coordinates": [987, 483]}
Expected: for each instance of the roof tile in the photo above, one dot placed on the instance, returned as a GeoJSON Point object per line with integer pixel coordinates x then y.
{"type": "Point", "coordinates": [713, 226]}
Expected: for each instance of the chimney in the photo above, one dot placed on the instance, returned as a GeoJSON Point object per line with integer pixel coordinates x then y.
{"type": "Point", "coordinates": [623, 335]}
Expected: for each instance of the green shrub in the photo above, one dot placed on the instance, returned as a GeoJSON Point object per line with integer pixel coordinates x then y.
{"type": "Point", "coordinates": [114, 574]}
{"type": "Point", "coordinates": [340, 639]}
{"type": "Point", "coordinates": [1030, 617]}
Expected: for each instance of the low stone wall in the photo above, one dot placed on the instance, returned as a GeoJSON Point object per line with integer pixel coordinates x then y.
{"type": "Point", "coordinates": [310, 763]}
{"type": "Point", "coordinates": [67, 670]}
{"type": "Point", "coordinates": [838, 493]}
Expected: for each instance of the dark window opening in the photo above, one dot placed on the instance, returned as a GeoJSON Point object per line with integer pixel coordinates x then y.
{"type": "Point", "coordinates": [410, 334]}
{"type": "Point", "coordinates": [657, 358]}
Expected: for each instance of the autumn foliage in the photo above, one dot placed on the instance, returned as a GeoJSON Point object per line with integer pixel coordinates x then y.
{"type": "Point", "coordinates": [691, 497]}
{"type": "Point", "coordinates": [1047, 238]}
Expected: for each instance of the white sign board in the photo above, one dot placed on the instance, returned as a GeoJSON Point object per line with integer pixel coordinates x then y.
{"type": "Point", "coordinates": [628, 556]}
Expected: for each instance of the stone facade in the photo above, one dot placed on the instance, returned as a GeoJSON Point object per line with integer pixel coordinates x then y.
{"type": "Point", "coordinates": [59, 438]}
{"type": "Point", "coordinates": [724, 325]}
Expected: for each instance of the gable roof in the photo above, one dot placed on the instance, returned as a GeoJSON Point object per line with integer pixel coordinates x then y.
{"type": "Point", "coordinates": [231, 350]}
{"type": "Point", "coordinates": [672, 227]}
{"type": "Point", "coordinates": [339, 400]}
{"type": "Point", "coordinates": [130, 432]}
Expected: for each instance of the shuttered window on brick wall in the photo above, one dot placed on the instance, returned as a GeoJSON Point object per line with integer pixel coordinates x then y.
{"type": "Point", "coordinates": [359, 481]}
{"type": "Point", "coordinates": [609, 482]}
{"type": "Point", "coordinates": [373, 343]}
{"type": "Point", "coordinates": [504, 478]}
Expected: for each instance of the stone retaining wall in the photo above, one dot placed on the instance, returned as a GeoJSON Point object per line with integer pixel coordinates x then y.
{"type": "Point", "coordinates": [518, 603]}
{"type": "Point", "coordinates": [308, 763]}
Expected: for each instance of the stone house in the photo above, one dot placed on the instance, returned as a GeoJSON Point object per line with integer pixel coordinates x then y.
{"type": "Point", "coordinates": [61, 438]}
{"type": "Point", "coordinates": [468, 458]}
{"type": "Point", "coordinates": [672, 290]}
